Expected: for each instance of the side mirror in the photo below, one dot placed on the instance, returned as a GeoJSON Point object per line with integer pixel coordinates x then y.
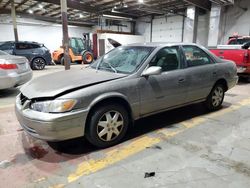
{"type": "Point", "coordinates": [154, 70]}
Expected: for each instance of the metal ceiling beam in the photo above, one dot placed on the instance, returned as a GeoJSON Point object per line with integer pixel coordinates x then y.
{"type": "Point", "coordinates": [43, 9]}
{"type": "Point", "coordinates": [22, 3]}
{"type": "Point", "coordinates": [47, 18]}
{"type": "Point", "coordinates": [31, 7]}
{"type": "Point", "coordinates": [51, 11]}
{"type": "Point", "coordinates": [204, 4]}
{"type": "Point", "coordinates": [73, 5]}
{"type": "Point", "coordinates": [6, 4]}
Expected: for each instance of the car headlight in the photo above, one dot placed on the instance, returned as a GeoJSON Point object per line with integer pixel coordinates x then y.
{"type": "Point", "coordinates": [55, 106]}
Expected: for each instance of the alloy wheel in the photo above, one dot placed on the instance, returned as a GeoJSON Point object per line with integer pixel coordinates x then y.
{"type": "Point", "coordinates": [38, 64]}
{"type": "Point", "coordinates": [217, 96]}
{"type": "Point", "coordinates": [110, 126]}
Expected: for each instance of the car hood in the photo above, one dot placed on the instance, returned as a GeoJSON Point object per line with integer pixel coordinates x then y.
{"type": "Point", "coordinates": [55, 84]}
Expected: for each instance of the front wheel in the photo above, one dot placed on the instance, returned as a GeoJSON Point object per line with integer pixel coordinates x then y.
{"type": "Point", "coordinates": [38, 64]}
{"type": "Point", "coordinates": [215, 98]}
{"type": "Point", "coordinates": [107, 125]}
{"type": "Point", "coordinates": [87, 57]}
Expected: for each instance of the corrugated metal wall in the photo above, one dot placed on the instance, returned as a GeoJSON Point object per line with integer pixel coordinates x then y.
{"type": "Point", "coordinates": [167, 29]}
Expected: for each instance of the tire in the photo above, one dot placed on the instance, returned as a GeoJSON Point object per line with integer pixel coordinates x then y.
{"type": "Point", "coordinates": [215, 98]}
{"type": "Point", "coordinates": [107, 125]}
{"type": "Point", "coordinates": [62, 61]}
{"type": "Point", "coordinates": [87, 57]}
{"type": "Point", "coordinates": [38, 63]}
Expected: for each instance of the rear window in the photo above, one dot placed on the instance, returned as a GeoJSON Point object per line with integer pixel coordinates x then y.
{"type": "Point", "coordinates": [6, 46]}
{"type": "Point", "coordinates": [239, 41]}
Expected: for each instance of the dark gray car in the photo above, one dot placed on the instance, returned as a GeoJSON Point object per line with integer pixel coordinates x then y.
{"type": "Point", "coordinates": [37, 54]}
{"type": "Point", "coordinates": [128, 83]}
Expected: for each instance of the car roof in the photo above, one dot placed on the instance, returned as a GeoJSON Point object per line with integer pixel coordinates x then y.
{"type": "Point", "coordinates": [30, 42]}
{"type": "Point", "coordinates": [160, 44]}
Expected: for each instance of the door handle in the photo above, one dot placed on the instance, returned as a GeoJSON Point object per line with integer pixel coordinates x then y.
{"type": "Point", "coordinates": [181, 80]}
{"type": "Point", "coordinates": [214, 73]}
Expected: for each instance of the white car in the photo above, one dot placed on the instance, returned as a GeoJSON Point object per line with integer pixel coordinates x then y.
{"type": "Point", "coordinates": [14, 70]}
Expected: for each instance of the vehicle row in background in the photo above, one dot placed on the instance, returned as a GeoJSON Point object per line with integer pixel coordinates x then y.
{"type": "Point", "coordinates": [14, 70]}
{"type": "Point", "coordinates": [94, 45]}
{"type": "Point", "coordinates": [237, 50]}
{"type": "Point", "coordinates": [37, 54]}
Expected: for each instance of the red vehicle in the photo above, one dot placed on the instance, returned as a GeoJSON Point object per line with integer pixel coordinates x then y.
{"type": "Point", "coordinates": [238, 51]}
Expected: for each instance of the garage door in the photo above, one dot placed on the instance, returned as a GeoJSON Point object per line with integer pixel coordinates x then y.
{"type": "Point", "coordinates": [167, 29]}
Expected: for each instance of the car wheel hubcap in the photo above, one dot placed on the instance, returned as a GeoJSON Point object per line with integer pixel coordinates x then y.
{"type": "Point", "coordinates": [39, 64]}
{"type": "Point", "coordinates": [217, 96]}
{"type": "Point", "coordinates": [110, 126]}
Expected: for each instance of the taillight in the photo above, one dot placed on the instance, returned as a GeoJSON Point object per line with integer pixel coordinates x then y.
{"type": "Point", "coordinates": [8, 66]}
{"type": "Point", "coordinates": [246, 57]}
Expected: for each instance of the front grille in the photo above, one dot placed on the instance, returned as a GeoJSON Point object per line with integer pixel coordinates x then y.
{"type": "Point", "coordinates": [23, 99]}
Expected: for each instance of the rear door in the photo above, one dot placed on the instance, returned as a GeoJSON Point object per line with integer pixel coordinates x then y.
{"type": "Point", "coordinates": [24, 49]}
{"type": "Point", "coordinates": [202, 72]}
{"type": "Point", "coordinates": [169, 89]}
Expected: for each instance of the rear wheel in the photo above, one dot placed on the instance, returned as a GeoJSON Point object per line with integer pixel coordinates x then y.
{"type": "Point", "coordinates": [38, 64]}
{"type": "Point", "coordinates": [215, 98]}
{"type": "Point", "coordinates": [107, 125]}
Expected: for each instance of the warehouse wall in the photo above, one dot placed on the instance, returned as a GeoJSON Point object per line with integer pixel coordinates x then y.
{"type": "Point", "coordinates": [169, 29]}
{"type": "Point", "coordinates": [165, 29]}
{"type": "Point", "coordinates": [143, 27]}
{"type": "Point", "coordinates": [236, 19]}
{"type": "Point", "coordinates": [43, 32]}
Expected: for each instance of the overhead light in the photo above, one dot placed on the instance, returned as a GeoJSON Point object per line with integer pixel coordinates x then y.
{"type": "Point", "coordinates": [117, 17]}
{"type": "Point", "coordinates": [124, 5]}
{"type": "Point", "coordinates": [30, 11]}
{"type": "Point", "coordinates": [140, 1]}
{"type": "Point", "coordinates": [120, 5]}
{"type": "Point", "coordinates": [40, 6]}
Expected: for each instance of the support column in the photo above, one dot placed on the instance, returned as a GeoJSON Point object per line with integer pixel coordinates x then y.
{"type": "Point", "coordinates": [151, 28]}
{"type": "Point", "coordinates": [191, 25]}
{"type": "Point", "coordinates": [13, 15]}
{"type": "Point", "coordinates": [65, 34]}
{"type": "Point", "coordinates": [214, 34]}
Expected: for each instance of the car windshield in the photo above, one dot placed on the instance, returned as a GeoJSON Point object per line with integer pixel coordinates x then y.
{"type": "Point", "coordinates": [3, 53]}
{"type": "Point", "coordinates": [124, 59]}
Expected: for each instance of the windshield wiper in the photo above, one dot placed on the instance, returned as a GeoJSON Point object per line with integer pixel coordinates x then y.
{"type": "Point", "coordinates": [109, 64]}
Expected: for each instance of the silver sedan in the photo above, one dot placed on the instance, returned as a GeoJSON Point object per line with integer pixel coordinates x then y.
{"type": "Point", "coordinates": [128, 83]}
{"type": "Point", "coordinates": [14, 70]}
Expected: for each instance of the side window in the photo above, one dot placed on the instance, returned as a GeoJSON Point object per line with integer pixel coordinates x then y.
{"type": "Point", "coordinates": [167, 58]}
{"type": "Point", "coordinates": [23, 46]}
{"type": "Point", "coordinates": [6, 46]}
{"type": "Point", "coordinates": [34, 46]}
{"type": "Point", "coordinates": [196, 56]}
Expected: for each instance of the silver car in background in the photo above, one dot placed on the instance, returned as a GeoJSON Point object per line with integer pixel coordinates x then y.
{"type": "Point", "coordinates": [14, 70]}
{"type": "Point", "coordinates": [128, 83]}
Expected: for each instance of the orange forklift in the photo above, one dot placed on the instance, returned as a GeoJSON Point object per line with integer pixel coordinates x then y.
{"type": "Point", "coordinates": [78, 51]}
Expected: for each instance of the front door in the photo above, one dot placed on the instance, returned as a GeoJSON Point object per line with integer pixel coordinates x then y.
{"type": "Point", "coordinates": [169, 89]}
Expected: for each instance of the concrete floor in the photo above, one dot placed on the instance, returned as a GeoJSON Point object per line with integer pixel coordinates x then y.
{"type": "Point", "coordinates": [187, 147]}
